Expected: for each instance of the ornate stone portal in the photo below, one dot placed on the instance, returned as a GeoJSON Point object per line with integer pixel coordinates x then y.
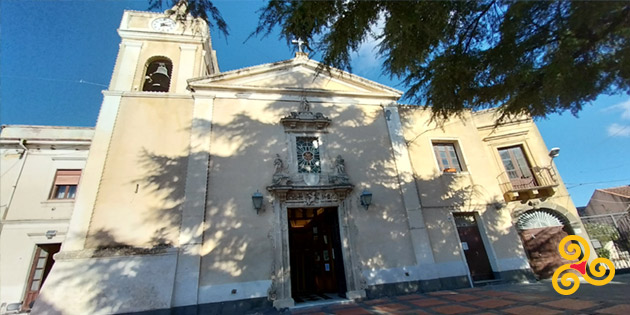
{"type": "Point", "coordinates": [291, 188]}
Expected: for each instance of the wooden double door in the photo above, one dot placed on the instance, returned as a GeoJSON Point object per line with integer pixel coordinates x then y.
{"type": "Point", "coordinates": [315, 252]}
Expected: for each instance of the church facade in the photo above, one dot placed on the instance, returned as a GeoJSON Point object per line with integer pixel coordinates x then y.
{"type": "Point", "coordinates": [273, 185]}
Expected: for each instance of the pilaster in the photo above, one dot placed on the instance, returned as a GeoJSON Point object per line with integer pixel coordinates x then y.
{"type": "Point", "coordinates": [186, 66]}
{"type": "Point", "coordinates": [186, 287]}
{"type": "Point", "coordinates": [128, 62]}
{"type": "Point", "coordinates": [91, 175]}
{"type": "Point", "coordinates": [419, 235]}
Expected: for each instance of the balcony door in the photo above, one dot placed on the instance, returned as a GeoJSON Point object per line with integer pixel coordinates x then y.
{"type": "Point", "coordinates": [40, 267]}
{"type": "Point", "coordinates": [517, 168]}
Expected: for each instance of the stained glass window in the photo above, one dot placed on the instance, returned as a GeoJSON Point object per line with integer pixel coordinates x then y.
{"type": "Point", "coordinates": [308, 155]}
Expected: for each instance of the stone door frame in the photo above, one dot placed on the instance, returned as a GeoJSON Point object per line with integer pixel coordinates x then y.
{"type": "Point", "coordinates": [280, 291]}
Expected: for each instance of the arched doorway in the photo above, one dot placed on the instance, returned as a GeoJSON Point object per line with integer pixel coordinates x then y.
{"type": "Point", "coordinates": [541, 231]}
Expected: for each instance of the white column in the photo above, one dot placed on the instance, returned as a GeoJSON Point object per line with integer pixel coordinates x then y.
{"type": "Point", "coordinates": [126, 69]}
{"type": "Point", "coordinates": [185, 66]}
{"type": "Point", "coordinates": [419, 234]}
{"type": "Point", "coordinates": [186, 287]}
{"type": "Point", "coordinates": [91, 175]}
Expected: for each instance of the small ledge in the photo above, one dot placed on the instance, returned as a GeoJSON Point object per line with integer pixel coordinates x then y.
{"type": "Point", "coordinates": [57, 201]}
{"type": "Point", "coordinates": [117, 251]}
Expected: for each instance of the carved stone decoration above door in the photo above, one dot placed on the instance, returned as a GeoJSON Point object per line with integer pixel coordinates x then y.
{"type": "Point", "coordinates": [304, 120]}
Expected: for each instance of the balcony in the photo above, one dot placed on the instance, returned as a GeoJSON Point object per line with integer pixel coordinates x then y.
{"type": "Point", "coordinates": [539, 183]}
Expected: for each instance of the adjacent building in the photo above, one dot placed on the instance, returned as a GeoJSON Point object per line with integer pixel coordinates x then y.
{"type": "Point", "coordinates": [612, 200]}
{"type": "Point", "coordinates": [607, 221]}
{"type": "Point", "coordinates": [276, 184]}
{"type": "Point", "coordinates": [41, 170]}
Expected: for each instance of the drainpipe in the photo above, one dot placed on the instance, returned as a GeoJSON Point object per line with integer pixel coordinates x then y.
{"type": "Point", "coordinates": [23, 156]}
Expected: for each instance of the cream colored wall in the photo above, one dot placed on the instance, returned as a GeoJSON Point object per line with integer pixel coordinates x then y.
{"type": "Point", "coordinates": [142, 186]}
{"type": "Point", "coordinates": [10, 165]}
{"type": "Point", "coordinates": [244, 142]}
{"type": "Point", "coordinates": [246, 135]}
{"type": "Point", "coordinates": [31, 200]}
{"type": "Point", "coordinates": [474, 189]}
{"type": "Point", "coordinates": [359, 133]}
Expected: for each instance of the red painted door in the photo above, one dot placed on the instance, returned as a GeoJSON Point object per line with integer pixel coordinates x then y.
{"type": "Point", "coordinates": [472, 244]}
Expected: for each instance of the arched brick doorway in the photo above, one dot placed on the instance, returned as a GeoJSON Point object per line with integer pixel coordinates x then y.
{"type": "Point", "coordinates": [541, 231]}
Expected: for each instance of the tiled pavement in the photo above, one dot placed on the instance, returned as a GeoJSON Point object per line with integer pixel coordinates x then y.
{"type": "Point", "coordinates": [529, 299]}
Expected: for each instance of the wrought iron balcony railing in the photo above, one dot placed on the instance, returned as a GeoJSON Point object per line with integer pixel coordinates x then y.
{"type": "Point", "coordinates": [536, 182]}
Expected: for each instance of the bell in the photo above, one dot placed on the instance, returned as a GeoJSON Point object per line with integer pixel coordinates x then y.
{"type": "Point", "coordinates": [159, 78]}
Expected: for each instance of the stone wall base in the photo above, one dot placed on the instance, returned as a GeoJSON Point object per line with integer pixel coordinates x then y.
{"type": "Point", "coordinates": [401, 288]}
{"type": "Point", "coordinates": [237, 307]}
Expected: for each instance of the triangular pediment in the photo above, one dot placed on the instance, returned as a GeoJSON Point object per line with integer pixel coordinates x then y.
{"type": "Point", "coordinates": [298, 74]}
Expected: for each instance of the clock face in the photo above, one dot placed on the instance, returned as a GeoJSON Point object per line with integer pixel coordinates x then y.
{"type": "Point", "coordinates": [163, 25]}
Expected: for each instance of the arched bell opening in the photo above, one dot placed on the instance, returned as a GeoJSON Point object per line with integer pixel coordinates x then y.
{"type": "Point", "coordinates": [158, 75]}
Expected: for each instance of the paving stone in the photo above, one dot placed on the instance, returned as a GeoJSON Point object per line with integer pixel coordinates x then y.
{"type": "Point", "coordinates": [410, 297]}
{"type": "Point", "coordinates": [453, 309]}
{"type": "Point", "coordinates": [344, 305]}
{"type": "Point", "coordinates": [491, 303]}
{"type": "Point", "coordinates": [621, 309]}
{"type": "Point", "coordinates": [571, 304]}
{"type": "Point", "coordinates": [428, 302]}
{"type": "Point", "coordinates": [392, 307]}
{"type": "Point", "coordinates": [377, 301]}
{"type": "Point", "coordinates": [351, 311]}
{"type": "Point", "coordinates": [460, 297]}
{"type": "Point", "coordinates": [530, 309]}
{"type": "Point", "coordinates": [526, 297]}
{"type": "Point", "coordinates": [412, 312]}
{"type": "Point", "coordinates": [440, 293]}
{"type": "Point", "coordinates": [494, 293]}
{"type": "Point", "coordinates": [307, 310]}
{"type": "Point", "coordinates": [470, 290]}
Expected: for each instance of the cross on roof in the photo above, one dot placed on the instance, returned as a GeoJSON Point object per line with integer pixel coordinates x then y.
{"type": "Point", "coordinates": [299, 42]}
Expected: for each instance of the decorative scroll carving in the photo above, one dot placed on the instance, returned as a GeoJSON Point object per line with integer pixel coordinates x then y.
{"type": "Point", "coordinates": [304, 120]}
{"type": "Point", "coordinates": [311, 195]}
{"type": "Point", "coordinates": [310, 198]}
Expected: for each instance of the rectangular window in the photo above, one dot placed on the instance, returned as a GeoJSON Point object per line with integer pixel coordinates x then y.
{"type": "Point", "coordinates": [307, 149]}
{"type": "Point", "coordinates": [447, 157]}
{"type": "Point", "coordinates": [65, 185]}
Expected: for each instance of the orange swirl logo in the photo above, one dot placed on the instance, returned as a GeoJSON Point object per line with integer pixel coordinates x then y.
{"type": "Point", "coordinates": [573, 252]}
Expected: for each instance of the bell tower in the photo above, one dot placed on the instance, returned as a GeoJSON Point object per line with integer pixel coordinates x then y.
{"type": "Point", "coordinates": [160, 51]}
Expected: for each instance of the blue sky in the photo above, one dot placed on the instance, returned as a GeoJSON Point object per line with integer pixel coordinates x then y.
{"type": "Point", "coordinates": [57, 56]}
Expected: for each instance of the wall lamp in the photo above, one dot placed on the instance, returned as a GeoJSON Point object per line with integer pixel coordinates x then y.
{"type": "Point", "coordinates": [366, 199]}
{"type": "Point", "coordinates": [554, 152]}
{"type": "Point", "coordinates": [257, 200]}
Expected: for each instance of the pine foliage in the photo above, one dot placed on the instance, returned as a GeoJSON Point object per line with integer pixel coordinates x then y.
{"type": "Point", "coordinates": [529, 57]}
